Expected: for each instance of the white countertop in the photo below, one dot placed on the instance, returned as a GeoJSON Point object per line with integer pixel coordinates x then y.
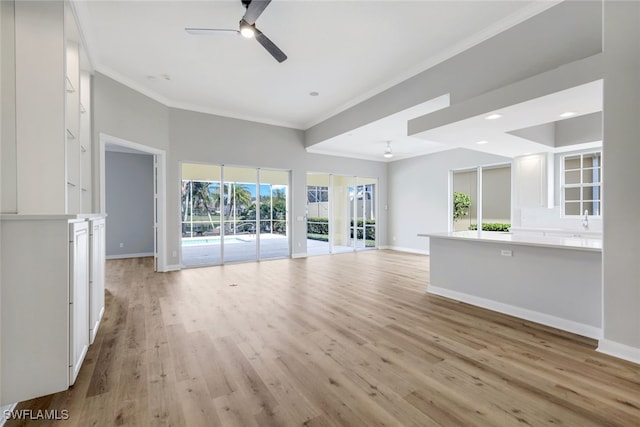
{"type": "Point", "coordinates": [577, 243]}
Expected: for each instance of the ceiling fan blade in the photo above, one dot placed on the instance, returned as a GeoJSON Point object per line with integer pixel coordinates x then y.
{"type": "Point", "coordinates": [211, 32]}
{"type": "Point", "coordinates": [255, 9]}
{"type": "Point", "coordinates": [270, 46]}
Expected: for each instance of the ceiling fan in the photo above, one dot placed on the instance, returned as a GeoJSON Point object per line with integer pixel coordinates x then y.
{"type": "Point", "coordinates": [247, 28]}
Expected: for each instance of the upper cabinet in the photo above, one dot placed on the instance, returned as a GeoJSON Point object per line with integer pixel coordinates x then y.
{"type": "Point", "coordinates": [77, 119]}
{"type": "Point", "coordinates": [533, 181]}
{"type": "Point", "coordinates": [51, 149]}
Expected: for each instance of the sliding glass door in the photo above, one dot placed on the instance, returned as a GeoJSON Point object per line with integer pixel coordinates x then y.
{"type": "Point", "coordinates": [274, 196]}
{"type": "Point", "coordinates": [239, 214]}
{"type": "Point", "coordinates": [481, 198]}
{"type": "Point", "coordinates": [318, 186]}
{"type": "Point", "coordinates": [341, 213]}
{"type": "Point", "coordinates": [201, 207]}
{"type": "Point", "coordinates": [364, 218]}
{"type": "Point", "coordinates": [233, 214]}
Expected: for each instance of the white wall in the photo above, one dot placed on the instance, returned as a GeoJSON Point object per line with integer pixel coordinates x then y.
{"type": "Point", "coordinates": [419, 196]}
{"type": "Point", "coordinates": [129, 204]}
{"type": "Point", "coordinates": [205, 138]}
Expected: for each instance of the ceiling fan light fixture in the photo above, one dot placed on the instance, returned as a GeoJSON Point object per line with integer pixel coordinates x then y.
{"type": "Point", "coordinates": [247, 30]}
{"type": "Point", "coordinates": [387, 153]}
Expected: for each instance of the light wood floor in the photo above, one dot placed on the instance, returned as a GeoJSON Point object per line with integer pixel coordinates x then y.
{"type": "Point", "coordinates": [342, 340]}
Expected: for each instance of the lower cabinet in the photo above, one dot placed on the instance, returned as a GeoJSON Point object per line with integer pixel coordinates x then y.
{"type": "Point", "coordinates": [46, 309]}
{"type": "Point", "coordinates": [78, 297]}
{"type": "Point", "coordinates": [97, 251]}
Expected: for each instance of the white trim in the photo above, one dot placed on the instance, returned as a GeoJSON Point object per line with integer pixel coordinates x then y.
{"type": "Point", "coordinates": [299, 255]}
{"type": "Point", "coordinates": [523, 313]}
{"type": "Point", "coordinates": [162, 186]}
{"type": "Point", "coordinates": [619, 350]}
{"type": "Point", "coordinates": [122, 256]}
{"type": "Point", "coordinates": [173, 267]}
{"type": "Point", "coordinates": [6, 408]}
{"type": "Point", "coordinates": [409, 250]}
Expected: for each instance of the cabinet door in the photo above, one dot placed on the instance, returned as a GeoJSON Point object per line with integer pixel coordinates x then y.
{"type": "Point", "coordinates": [534, 181]}
{"type": "Point", "coordinates": [78, 297]}
{"type": "Point", "coordinates": [96, 288]}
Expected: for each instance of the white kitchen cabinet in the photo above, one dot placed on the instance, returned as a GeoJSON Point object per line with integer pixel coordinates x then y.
{"type": "Point", "coordinates": [533, 181]}
{"type": "Point", "coordinates": [78, 296]}
{"type": "Point", "coordinates": [96, 274]}
{"type": "Point", "coordinates": [45, 303]}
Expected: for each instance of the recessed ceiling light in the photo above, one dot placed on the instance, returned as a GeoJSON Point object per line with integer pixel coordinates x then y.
{"type": "Point", "coordinates": [568, 114]}
{"type": "Point", "coordinates": [482, 142]}
{"type": "Point", "coordinates": [387, 153]}
{"type": "Point", "coordinates": [314, 93]}
{"type": "Point", "coordinates": [493, 116]}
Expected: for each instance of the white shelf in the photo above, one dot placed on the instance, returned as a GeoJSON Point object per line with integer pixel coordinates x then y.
{"type": "Point", "coordinates": [69, 86]}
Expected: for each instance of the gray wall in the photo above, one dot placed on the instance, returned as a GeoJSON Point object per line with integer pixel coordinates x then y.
{"type": "Point", "coordinates": [203, 138]}
{"type": "Point", "coordinates": [621, 175]}
{"type": "Point", "coordinates": [418, 194]}
{"type": "Point", "coordinates": [129, 200]}
{"type": "Point", "coordinates": [8, 98]}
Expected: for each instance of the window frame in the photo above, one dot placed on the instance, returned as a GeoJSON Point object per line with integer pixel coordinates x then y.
{"type": "Point", "coordinates": [581, 185]}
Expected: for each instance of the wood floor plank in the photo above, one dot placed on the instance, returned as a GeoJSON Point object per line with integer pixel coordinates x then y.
{"type": "Point", "coordinates": [341, 340]}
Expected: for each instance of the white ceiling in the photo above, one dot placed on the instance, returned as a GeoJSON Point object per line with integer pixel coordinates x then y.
{"type": "Point", "coordinates": [581, 100]}
{"type": "Point", "coordinates": [345, 50]}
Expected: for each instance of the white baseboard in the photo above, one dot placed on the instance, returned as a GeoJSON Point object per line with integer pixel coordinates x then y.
{"type": "Point", "coordinates": [168, 268]}
{"type": "Point", "coordinates": [409, 250]}
{"type": "Point", "coordinates": [523, 313]}
{"type": "Point", "coordinates": [621, 351]}
{"type": "Point", "coordinates": [299, 255]}
{"type": "Point", "coordinates": [142, 255]}
{"type": "Point", "coordinates": [5, 409]}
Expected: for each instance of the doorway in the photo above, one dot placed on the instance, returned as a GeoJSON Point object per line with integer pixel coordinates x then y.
{"type": "Point", "coordinates": [155, 194]}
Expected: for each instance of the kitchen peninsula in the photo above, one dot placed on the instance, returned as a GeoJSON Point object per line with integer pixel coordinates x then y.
{"type": "Point", "coordinates": [556, 281]}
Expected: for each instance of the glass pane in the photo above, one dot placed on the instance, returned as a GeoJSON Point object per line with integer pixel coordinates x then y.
{"type": "Point", "coordinates": [239, 218]}
{"type": "Point", "coordinates": [318, 215]}
{"type": "Point", "coordinates": [572, 177]}
{"type": "Point", "coordinates": [590, 176]}
{"type": "Point", "coordinates": [200, 215]}
{"type": "Point", "coordinates": [572, 162]}
{"type": "Point", "coordinates": [342, 213]}
{"type": "Point", "coordinates": [591, 160]}
{"type": "Point", "coordinates": [593, 207]}
{"type": "Point", "coordinates": [274, 242]}
{"type": "Point", "coordinates": [572, 194]}
{"type": "Point", "coordinates": [465, 189]}
{"type": "Point", "coordinates": [572, 208]}
{"type": "Point", "coordinates": [496, 195]}
{"type": "Point", "coordinates": [364, 227]}
{"type": "Point", "coordinates": [591, 194]}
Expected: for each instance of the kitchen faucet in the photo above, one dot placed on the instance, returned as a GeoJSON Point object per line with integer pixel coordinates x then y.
{"type": "Point", "coordinates": [585, 219]}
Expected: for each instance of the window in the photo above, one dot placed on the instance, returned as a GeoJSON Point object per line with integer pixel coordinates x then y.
{"type": "Point", "coordinates": [316, 194]}
{"type": "Point", "coordinates": [582, 183]}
